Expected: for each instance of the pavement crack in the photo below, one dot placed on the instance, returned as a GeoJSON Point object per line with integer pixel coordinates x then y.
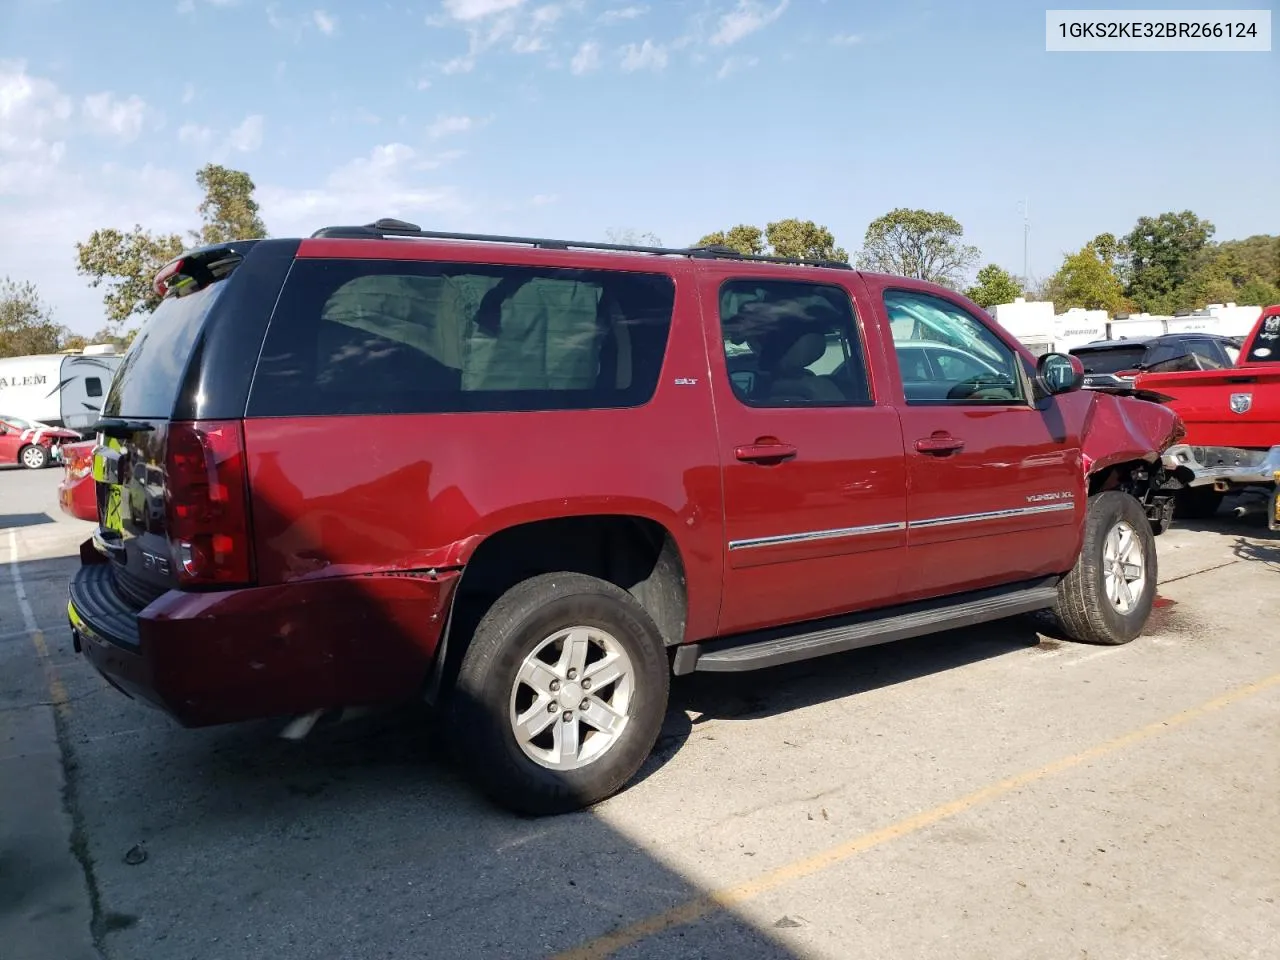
{"type": "Point", "coordinates": [1196, 573]}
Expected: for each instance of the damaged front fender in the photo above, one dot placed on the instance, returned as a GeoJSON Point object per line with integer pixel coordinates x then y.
{"type": "Point", "coordinates": [1127, 430]}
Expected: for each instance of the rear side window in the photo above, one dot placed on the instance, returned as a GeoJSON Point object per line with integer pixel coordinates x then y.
{"type": "Point", "coordinates": [1266, 345]}
{"type": "Point", "coordinates": [391, 336]}
{"type": "Point", "coordinates": [93, 386]}
{"type": "Point", "coordinates": [148, 381]}
{"type": "Point", "coordinates": [791, 343]}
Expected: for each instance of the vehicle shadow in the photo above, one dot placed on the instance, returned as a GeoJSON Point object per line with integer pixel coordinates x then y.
{"type": "Point", "coordinates": [764, 693]}
{"type": "Point", "coordinates": [362, 839]}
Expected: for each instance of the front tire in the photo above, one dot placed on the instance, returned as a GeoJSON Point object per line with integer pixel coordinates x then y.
{"type": "Point", "coordinates": [34, 457]}
{"type": "Point", "coordinates": [1108, 595]}
{"type": "Point", "coordinates": [561, 694]}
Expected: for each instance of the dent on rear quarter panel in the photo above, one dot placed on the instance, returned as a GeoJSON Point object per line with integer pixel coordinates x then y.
{"type": "Point", "coordinates": [1124, 429]}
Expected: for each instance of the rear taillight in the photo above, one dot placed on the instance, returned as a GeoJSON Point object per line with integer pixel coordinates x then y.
{"type": "Point", "coordinates": [207, 503]}
{"type": "Point", "coordinates": [78, 463]}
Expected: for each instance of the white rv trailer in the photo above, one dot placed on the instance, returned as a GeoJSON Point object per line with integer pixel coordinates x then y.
{"type": "Point", "coordinates": [62, 390]}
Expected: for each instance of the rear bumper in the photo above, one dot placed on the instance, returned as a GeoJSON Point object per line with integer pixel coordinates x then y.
{"type": "Point", "coordinates": [209, 658]}
{"type": "Point", "coordinates": [1222, 465]}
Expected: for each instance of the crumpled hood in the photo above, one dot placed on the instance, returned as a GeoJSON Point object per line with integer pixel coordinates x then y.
{"type": "Point", "coordinates": [1120, 429]}
{"type": "Point", "coordinates": [48, 435]}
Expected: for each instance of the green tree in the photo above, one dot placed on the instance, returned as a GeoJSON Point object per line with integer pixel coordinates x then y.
{"type": "Point", "coordinates": [994, 285]}
{"type": "Point", "coordinates": [26, 325]}
{"type": "Point", "coordinates": [127, 262]}
{"type": "Point", "coordinates": [1256, 292]}
{"type": "Point", "coordinates": [744, 238]}
{"type": "Point", "coordinates": [1160, 256]}
{"type": "Point", "coordinates": [1086, 280]}
{"type": "Point", "coordinates": [803, 239]}
{"type": "Point", "coordinates": [922, 244]}
{"type": "Point", "coordinates": [793, 238]}
{"type": "Point", "coordinates": [626, 236]}
{"type": "Point", "coordinates": [229, 210]}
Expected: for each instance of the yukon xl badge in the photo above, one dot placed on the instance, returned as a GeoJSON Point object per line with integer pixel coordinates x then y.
{"type": "Point", "coordinates": [1241, 402]}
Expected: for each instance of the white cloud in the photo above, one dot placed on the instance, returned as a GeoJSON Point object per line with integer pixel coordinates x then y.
{"type": "Point", "coordinates": [447, 126]}
{"type": "Point", "coordinates": [745, 19]}
{"type": "Point", "coordinates": [326, 23]}
{"type": "Point", "coordinates": [188, 92]}
{"type": "Point", "coordinates": [622, 13]}
{"type": "Point", "coordinates": [586, 59]}
{"type": "Point", "coordinates": [527, 43]}
{"type": "Point", "coordinates": [195, 135]}
{"type": "Point", "coordinates": [544, 199]}
{"type": "Point", "coordinates": [467, 10]}
{"type": "Point", "coordinates": [34, 115]}
{"type": "Point", "coordinates": [734, 64]}
{"type": "Point", "coordinates": [846, 39]}
{"type": "Point", "coordinates": [423, 84]}
{"type": "Point", "coordinates": [247, 137]}
{"type": "Point", "coordinates": [547, 15]}
{"type": "Point", "coordinates": [646, 56]}
{"type": "Point", "coordinates": [113, 117]}
{"type": "Point", "coordinates": [386, 183]}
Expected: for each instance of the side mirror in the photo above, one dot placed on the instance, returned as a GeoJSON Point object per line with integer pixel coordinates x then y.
{"type": "Point", "coordinates": [1060, 373]}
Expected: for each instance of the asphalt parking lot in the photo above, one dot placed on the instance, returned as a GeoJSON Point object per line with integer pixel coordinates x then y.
{"type": "Point", "coordinates": [986, 793]}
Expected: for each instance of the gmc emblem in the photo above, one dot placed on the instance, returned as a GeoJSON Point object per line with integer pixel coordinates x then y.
{"type": "Point", "coordinates": [154, 563]}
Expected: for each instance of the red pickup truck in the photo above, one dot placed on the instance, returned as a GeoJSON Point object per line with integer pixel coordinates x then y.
{"type": "Point", "coordinates": [1232, 419]}
{"type": "Point", "coordinates": [530, 480]}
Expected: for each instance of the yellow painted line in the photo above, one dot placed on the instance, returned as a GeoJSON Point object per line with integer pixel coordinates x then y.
{"type": "Point", "coordinates": [726, 897]}
{"type": "Point", "coordinates": [57, 691]}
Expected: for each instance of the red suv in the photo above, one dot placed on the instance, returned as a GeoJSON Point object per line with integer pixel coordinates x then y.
{"type": "Point", "coordinates": [529, 480]}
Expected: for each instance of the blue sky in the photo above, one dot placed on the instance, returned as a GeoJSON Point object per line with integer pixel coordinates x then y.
{"type": "Point", "coordinates": [571, 117]}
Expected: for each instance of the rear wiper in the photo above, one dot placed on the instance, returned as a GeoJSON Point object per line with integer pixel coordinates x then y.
{"type": "Point", "coordinates": [116, 427]}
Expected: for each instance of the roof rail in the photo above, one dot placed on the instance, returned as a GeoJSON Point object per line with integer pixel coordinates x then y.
{"type": "Point", "coordinates": [389, 227]}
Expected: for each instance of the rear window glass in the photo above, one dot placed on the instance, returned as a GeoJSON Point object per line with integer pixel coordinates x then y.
{"type": "Point", "coordinates": [1266, 345]}
{"type": "Point", "coordinates": [147, 383]}
{"type": "Point", "coordinates": [377, 336]}
{"type": "Point", "coordinates": [1111, 361]}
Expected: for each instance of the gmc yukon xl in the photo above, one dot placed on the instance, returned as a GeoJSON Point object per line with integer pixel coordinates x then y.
{"type": "Point", "coordinates": [530, 480]}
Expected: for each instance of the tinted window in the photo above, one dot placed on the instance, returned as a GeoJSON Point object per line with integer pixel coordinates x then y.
{"type": "Point", "coordinates": [1111, 361]}
{"type": "Point", "coordinates": [967, 362]}
{"type": "Point", "coordinates": [375, 336]}
{"type": "Point", "coordinates": [1266, 346]}
{"type": "Point", "coordinates": [147, 383]}
{"type": "Point", "coordinates": [93, 386]}
{"type": "Point", "coordinates": [791, 343]}
{"type": "Point", "coordinates": [1208, 353]}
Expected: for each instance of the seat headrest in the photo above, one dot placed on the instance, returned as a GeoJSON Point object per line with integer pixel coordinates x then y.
{"type": "Point", "coordinates": [807, 348]}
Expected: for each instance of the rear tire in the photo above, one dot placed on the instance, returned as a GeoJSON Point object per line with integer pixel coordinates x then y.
{"type": "Point", "coordinates": [1108, 595]}
{"type": "Point", "coordinates": [34, 457]}
{"type": "Point", "coordinates": [1197, 503]}
{"type": "Point", "coordinates": [519, 673]}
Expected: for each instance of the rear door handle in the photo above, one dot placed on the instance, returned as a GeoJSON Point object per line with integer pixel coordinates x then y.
{"type": "Point", "coordinates": [939, 444]}
{"type": "Point", "coordinates": [765, 452]}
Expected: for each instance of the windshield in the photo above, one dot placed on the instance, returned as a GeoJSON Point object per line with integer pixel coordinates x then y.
{"type": "Point", "coordinates": [1111, 361]}
{"type": "Point", "coordinates": [20, 424]}
{"type": "Point", "coordinates": [1266, 346]}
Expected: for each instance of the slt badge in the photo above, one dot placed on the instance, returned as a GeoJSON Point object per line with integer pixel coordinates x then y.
{"type": "Point", "coordinates": [1241, 402]}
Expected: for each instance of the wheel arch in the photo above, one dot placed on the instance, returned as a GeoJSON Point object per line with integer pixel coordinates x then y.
{"type": "Point", "coordinates": [633, 551]}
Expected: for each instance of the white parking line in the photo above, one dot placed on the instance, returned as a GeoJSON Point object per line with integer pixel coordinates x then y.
{"type": "Point", "coordinates": [57, 692]}
{"type": "Point", "coordinates": [24, 606]}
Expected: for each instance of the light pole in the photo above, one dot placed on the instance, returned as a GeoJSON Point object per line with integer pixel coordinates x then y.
{"type": "Point", "coordinates": [1025, 206]}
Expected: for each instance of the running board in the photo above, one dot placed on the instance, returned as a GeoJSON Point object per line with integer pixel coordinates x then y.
{"type": "Point", "coordinates": [769, 648]}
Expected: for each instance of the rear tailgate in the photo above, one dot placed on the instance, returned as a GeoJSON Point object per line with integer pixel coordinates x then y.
{"type": "Point", "coordinates": [134, 455]}
{"type": "Point", "coordinates": [1237, 407]}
